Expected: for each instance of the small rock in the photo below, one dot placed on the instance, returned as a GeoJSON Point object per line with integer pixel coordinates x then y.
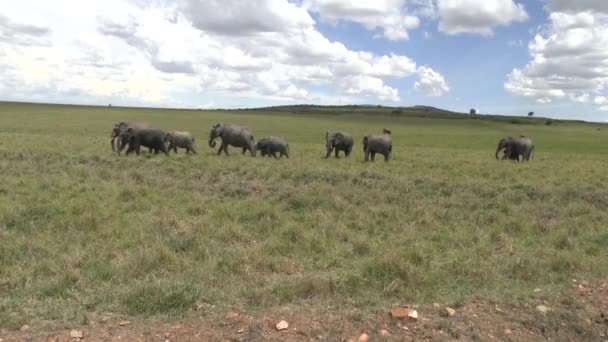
{"type": "Point", "coordinates": [413, 315]}
{"type": "Point", "coordinates": [76, 334]}
{"type": "Point", "coordinates": [383, 332]}
{"type": "Point", "coordinates": [585, 283]}
{"type": "Point", "coordinates": [537, 290]}
{"type": "Point", "coordinates": [240, 330]}
{"type": "Point", "coordinates": [24, 328]}
{"type": "Point", "coordinates": [400, 312]}
{"type": "Point", "coordinates": [282, 325]}
{"type": "Point", "coordinates": [542, 309]}
{"type": "Point", "coordinates": [449, 312]}
{"type": "Point", "coordinates": [436, 305]}
{"type": "Point", "coordinates": [363, 338]}
{"type": "Point", "coordinates": [123, 323]}
{"type": "Point", "coordinates": [508, 332]}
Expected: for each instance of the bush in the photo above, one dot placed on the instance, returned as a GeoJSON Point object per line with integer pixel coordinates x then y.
{"type": "Point", "coordinates": [548, 122]}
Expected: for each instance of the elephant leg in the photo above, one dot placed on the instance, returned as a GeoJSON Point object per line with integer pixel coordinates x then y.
{"type": "Point", "coordinates": [337, 152]}
{"type": "Point", "coordinates": [366, 155]}
{"type": "Point", "coordinates": [274, 154]}
{"type": "Point", "coordinates": [347, 152]}
{"type": "Point", "coordinates": [137, 149]}
{"type": "Point", "coordinates": [386, 156]}
{"type": "Point", "coordinates": [373, 156]}
{"type": "Point", "coordinates": [329, 150]}
{"type": "Point", "coordinates": [219, 150]}
{"type": "Point", "coordinates": [225, 149]}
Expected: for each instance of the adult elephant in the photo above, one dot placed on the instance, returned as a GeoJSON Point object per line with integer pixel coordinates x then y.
{"type": "Point", "coordinates": [234, 135]}
{"type": "Point", "coordinates": [513, 147]}
{"type": "Point", "coordinates": [378, 143]}
{"type": "Point", "coordinates": [148, 137]}
{"type": "Point", "coordinates": [122, 126]}
{"type": "Point", "coordinates": [338, 141]}
{"type": "Point", "coordinates": [270, 146]}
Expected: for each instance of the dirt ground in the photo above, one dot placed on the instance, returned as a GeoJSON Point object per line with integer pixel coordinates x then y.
{"type": "Point", "coordinates": [577, 314]}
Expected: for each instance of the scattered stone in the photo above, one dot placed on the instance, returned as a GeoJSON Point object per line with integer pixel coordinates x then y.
{"type": "Point", "coordinates": [383, 332]}
{"type": "Point", "coordinates": [449, 312]}
{"type": "Point", "coordinates": [363, 338]}
{"type": "Point", "coordinates": [537, 290]}
{"type": "Point", "coordinates": [508, 332]}
{"type": "Point", "coordinates": [585, 283]}
{"type": "Point", "coordinates": [24, 328]}
{"type": "Point", "coordinates": [400, 312]}
{"type": "Point", "coordinates": [436, 305]}
{"type": "Point", "coordinates": [542, 309]}
{"type": "Point", "coordinates": [123, 323]}
{"type": "Point", "coordinates": [76, 334]}
{"type": "Point", "coordinates": [282, 325]}
{"type": "Point", "coordinates": [240, 331]}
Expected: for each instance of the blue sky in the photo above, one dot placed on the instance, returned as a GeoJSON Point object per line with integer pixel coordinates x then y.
{"type": "Point", "coordinates": [498, 56]}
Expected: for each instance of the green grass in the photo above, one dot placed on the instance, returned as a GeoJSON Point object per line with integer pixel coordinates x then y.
{"type": "Point", "coordinates": [83, 231]}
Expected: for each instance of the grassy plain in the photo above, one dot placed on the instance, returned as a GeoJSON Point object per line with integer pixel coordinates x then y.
{"type": "Point", "coordinates": [85, 233]}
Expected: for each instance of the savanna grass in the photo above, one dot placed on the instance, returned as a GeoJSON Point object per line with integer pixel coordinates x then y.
{"type": "Point", "coordinates": [85, 232]}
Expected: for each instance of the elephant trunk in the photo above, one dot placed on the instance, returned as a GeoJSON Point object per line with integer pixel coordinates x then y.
{"type": "Point", "coordinates": [497, 150]}
{"type": "Point", "coordinates": [112, 143]}
{"type": "Point", "coordinates": [211, 142]}
{"type": "Point", "coordinates": [364, 143]}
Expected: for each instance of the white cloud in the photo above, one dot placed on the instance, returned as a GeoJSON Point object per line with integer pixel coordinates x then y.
{"type": "Point", "coordinates": [430, 82]}
{"type": "Point", "coordinates": [389, 15]}
{"type": "Point", "coordinates": [140, 52]}
{"type": "Point", "coordinates": [480, 17]}
{"type": "Point", "coordinates": [367, 86]}
{"type": "Point", "coordinates": [569, 61]}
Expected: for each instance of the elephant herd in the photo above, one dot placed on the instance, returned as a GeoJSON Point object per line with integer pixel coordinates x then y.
{"type": "Point", "coordinates": [134, 135]}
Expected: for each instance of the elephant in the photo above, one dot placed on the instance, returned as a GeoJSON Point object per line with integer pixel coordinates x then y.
{"type": "Point", "coordinates": [515, 147]}
{"type": "Point", "coordinates": [386, 131]}
{"type": "Point", "coordinates": [119, 127]}
{"type": "Point", "coordinates": [338, 141]}
{"type": "Point", "coordinates": [149, 137]}
{"type": "Point", "coordinates": [270, 146]}
{"type": "Point", "coordinates": [378, 143]}
{"type": "Point", "coordinates": [180, 139]}
{"type": "Point", "coordinates": [237, 136]}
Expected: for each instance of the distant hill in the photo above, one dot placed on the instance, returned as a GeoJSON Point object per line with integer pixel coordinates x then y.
{"type": "Point", "coordinates": [412, 111]}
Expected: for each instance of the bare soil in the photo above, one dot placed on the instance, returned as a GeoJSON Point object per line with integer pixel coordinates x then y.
{"type": "Point", "coordinates": [577, 314]}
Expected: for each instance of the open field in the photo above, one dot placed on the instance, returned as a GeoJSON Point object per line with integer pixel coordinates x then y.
{"type": "Point", "coordinates": [86, 234]}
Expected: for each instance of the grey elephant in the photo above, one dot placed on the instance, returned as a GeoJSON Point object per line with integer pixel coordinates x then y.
{"type": "Point", "coordinates": [514, 147]}
{"type": "Point", "coordinates": [338, 141]}
{"type": "Point", "coordinates": [386, 131]}
{"type": "Point", "coordinates": [234, 135]}
{"type": "Point", "coordinates": [121, 126]}
{"type": "Point", "coordinates": [148, 137]}
{"type": "Point", "coordinates": [378, 143]}
{"type": "Point", "coordinates": [181, 139]}
{"type": "Point", "coordinates": [270, 146]}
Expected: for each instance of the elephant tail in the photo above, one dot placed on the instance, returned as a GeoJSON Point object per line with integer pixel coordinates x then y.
{"type": "Point", "coordinates": [364, 143]}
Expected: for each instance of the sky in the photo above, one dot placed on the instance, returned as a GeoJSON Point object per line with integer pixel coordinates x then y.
{"type": "Point", "coordinates": [505, 57]}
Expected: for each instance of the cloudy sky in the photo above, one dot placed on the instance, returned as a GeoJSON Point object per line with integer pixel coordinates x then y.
{"type": "Point", "coordinates": [499, 56]}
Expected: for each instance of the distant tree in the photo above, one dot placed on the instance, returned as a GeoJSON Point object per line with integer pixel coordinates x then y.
{"type": "Point", "coordinates": [548, 122]}
{"type": "Point", "coordinates": [473, 111]}
{"type": "Point", "coordinates": [110, 105]}
{"type": "Point", "coordinates": [531, 114]}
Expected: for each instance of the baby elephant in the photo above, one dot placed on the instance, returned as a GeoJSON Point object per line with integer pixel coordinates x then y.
{"type": "Point", "coordinates": [179, 139]}
{"type": "Point", "coordinates": [270, 146]}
